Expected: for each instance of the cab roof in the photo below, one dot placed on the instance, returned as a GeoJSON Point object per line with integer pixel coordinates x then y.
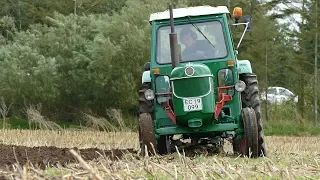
{"type": "Point", "coordinates": [190, 11]}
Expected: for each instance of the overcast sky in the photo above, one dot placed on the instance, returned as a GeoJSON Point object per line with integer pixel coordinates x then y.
{"type": "Point", "coordinates": [292, 19]}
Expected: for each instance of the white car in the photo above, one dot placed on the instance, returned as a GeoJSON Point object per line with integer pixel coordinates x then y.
{"type": "Point", "coordinates": [278, 95]}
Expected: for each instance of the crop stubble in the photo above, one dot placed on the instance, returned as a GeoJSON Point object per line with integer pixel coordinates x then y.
{"type": "Point", "coordinates": [289, 157]}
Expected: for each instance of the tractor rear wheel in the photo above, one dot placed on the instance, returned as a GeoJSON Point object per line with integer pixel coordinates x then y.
{"type": "Point", "coordinates": [250, 98]}
{"type": "Point", "coordinates": [248, 145]}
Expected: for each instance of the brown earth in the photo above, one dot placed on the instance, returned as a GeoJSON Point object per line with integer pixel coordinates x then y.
{"type": "Point", "coordinates": [44, 156]}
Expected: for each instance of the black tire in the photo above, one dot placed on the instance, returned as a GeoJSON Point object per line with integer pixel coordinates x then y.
{"type": "Point", "coordinates": [236, 145]}
{"type": "Point", "coordinates": [146, 134]}
{"type": "Point", "coordinates": [163, 145]}
{"type": "Point", "coordinates": [248, 146]}
{"type": "Point", "coordinates": [250, 98]}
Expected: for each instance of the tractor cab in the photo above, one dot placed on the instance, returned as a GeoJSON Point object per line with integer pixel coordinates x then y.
{"type": "Point", "coordinates": [194, 83]}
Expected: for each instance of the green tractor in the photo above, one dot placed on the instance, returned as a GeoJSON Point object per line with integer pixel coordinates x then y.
{"type": "Point", "coordinates": [195, 89]}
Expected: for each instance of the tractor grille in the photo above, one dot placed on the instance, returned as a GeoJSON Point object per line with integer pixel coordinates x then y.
{"type": "Point", "coordinates": [192, 87]}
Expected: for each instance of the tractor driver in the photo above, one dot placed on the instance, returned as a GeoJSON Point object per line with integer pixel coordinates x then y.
{"type": "Point", "coordinates": [195, 49]}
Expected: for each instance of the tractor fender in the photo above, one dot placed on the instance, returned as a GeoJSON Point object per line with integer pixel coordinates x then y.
{"type": "Point", "coordinates": [244, 66]}
{"type": "Point", "coordinates": [146, 77]}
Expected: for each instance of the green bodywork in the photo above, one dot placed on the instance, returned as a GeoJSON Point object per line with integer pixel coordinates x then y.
{"type": "Point", "coordinates": [202, 84]}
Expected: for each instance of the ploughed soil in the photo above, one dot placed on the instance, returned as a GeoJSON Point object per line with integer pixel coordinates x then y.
{"type": "Point", "coordinates": [45, 156]}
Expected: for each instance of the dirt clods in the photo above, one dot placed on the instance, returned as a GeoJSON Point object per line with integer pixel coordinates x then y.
{"type": "Point", "coordinates": [44, 156]}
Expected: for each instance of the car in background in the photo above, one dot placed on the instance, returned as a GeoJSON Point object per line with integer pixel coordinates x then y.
{"type": "Point", "coordinates": [278, 95]}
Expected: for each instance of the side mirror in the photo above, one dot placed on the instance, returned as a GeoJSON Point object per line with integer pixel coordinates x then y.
{"type": "Point", "coordinates": [248, 19]}
{"type": "Point", "coordinates": [237, 15]}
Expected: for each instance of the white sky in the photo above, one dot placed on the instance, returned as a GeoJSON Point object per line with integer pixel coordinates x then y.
{"type": "Point", "coordinates": [292, 19]}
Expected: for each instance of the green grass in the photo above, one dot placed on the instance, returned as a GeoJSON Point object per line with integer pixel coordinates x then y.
{"type": "Point", "coordinates": [285, 120]}
{"type": "Point", "coordinates": [16, 123]}
{"type": "Point", "coordinates": [288, 128]}
{"type": "Point", "coordinates": [55, 172]}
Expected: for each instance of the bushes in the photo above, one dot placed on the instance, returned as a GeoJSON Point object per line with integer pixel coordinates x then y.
{"type": "Point", "coordinates": [78, 62]}
{"type": "Point", "coordinates": [285, 119]}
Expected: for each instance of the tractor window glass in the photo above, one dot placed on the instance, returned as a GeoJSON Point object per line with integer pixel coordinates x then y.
{"type": "Point", "coordinates": [163, 87]}
{"type": "Point", "coordinates": [192, 43]}
{"type": "Point", "coordinates": [225, 78]}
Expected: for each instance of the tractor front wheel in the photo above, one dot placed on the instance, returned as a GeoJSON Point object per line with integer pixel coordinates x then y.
{"type": "Point", "coordinates": [248, 145]}
{"type": "Point", "coordinates": [147, 137]}
{"type": "Point", "coordinates": [146, 134]}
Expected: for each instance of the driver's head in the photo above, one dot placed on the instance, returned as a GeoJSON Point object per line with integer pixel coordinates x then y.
{"type": "Point", "coordinates": [187, 36]}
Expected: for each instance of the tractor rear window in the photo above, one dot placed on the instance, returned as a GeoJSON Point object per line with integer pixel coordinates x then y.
{"type": "Point", "coordinates": [192, 42]}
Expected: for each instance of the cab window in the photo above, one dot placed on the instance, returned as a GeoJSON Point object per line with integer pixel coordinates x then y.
{"type": "Point", "coordinates": [200, 41]}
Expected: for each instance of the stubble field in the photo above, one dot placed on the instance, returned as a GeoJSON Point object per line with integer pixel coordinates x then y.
{"type": "Point", "coordinates": [27, 154]}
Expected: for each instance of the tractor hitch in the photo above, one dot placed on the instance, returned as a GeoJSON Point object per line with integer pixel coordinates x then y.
{"type": "Point", "coordinates": [169, 111]}
{"type": "Point", "coordinates": [223, 98]}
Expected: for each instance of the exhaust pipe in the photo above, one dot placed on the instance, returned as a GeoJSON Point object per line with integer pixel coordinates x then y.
{"type": "Point", "coordinates": [173, 41]}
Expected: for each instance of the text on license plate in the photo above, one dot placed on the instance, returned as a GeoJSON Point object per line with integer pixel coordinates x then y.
{"type": "Point", "coordinates": [194, 104]}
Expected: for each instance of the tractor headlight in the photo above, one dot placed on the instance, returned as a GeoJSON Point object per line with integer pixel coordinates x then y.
{"type": "Point", "coordinates": [240, 86]}
{"type": "Point", "coordinates": [149, 94]}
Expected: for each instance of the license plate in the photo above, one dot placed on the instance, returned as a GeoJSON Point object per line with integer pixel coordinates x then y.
{"type": "Point", "coordinates": [194, 104]}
